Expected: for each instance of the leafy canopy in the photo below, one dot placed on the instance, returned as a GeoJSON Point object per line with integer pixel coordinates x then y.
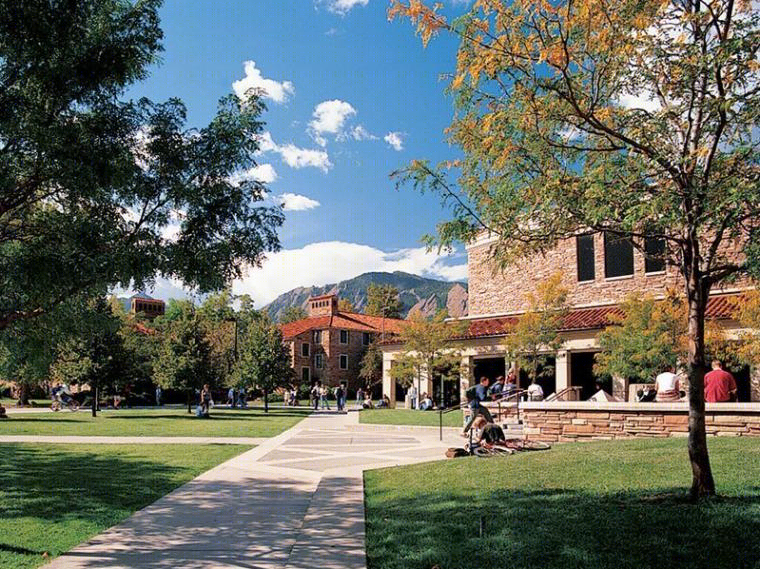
{"type": "Point", "coordinates": [383, 300]}
{"type": "Point", "coordinates": [97, 191]}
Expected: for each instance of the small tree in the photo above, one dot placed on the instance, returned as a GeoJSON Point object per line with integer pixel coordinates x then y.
{"type": "Point", "coordinates": [263, 360]}
{"type": "Point", "coordinates": [94, 354]}
{"type": "Point", "coordinates": [371, 367]}
{"type": "Point", "coordinates": [383, 300]}
{"type": "Point", "coordinates": [536, 333]}
{"type": "Point", "coordinates": [429, 348]}
{"type": "Point", "coordinates": [292, 313]}
{"type": "Point", "coordinates": [344, 305]}
{"type": "Point", "coordinates": [182, 358]}
{"type": "Point", "coordinates": [646, 338]}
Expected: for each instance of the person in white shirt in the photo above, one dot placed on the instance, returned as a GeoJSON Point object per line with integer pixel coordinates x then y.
{"type": "Point", "coordinates": [668, 386]}
{"type": "Point", "coordinates": [535, 392]}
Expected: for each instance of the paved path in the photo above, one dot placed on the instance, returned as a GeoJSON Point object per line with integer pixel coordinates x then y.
{"type": "Point", "coordinates": [296, 501]}
{"type": "Point", "coordinates": [132, 440]}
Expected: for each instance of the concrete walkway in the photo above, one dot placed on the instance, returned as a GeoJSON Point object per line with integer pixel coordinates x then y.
{"type": "Point", "coordinates": [53, 439]}
{"type": "Point", "coordinates": [296, 501]}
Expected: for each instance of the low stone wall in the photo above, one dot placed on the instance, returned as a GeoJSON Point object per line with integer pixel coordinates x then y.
{"type": "Point", "coordinates": [573, 421]}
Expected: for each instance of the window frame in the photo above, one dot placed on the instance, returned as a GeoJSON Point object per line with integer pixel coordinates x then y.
{"type": "Point", "coordinates": [317, 336]}
{"type": "Point", "coordinates": [340, 338]}
{"type": "Point", "coordinates": [305, 349]}
{"type": "Point", "coordinates": [341, 360]}
{"type": "Point", "coordinates": [648, 260]}
{"type": "Point", "coordinates": [307, 369]}
{"type": "Point", "coordinates": [578, 257]}
{"type": "Point", "coordinates": [318, 361]}
{"type": "Point", "coordinates": [607, 266]}
{"type": "Point", "coordinates": [366, 338]}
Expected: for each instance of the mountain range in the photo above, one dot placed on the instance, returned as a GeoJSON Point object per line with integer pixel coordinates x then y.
{"type": "Point", "coordinates": [417, 294]}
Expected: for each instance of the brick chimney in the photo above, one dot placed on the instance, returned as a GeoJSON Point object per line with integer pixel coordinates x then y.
{"type": "Point", "coordinates": [325, 305]}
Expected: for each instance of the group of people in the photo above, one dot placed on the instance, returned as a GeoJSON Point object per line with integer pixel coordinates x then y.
{"type": "Point", "coordinates": [237, 398]}
{"type": "Point", "coordinates": [424, 403]}
{"type": "Point", "coordinates": [320, 396]}
{"type": "Point", "coordinates": [720, 385]}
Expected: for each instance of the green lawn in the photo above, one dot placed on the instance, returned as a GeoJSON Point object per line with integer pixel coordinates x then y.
{"type": "Point", "coordinates": [156, 422]}
{"type": "Point", "coordinates": [586, 505]}
{"type": "Point", "coordinates": [408, 417]}
{"type": "Point", "coordinates": [34, 402]}
{"type": "Point", "coordinates": [53, 497]}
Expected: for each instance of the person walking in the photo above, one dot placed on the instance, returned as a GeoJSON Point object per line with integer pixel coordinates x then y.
{"type": "Point", "coordinates": [413, 395]}
{"type": "Point", "coordinates": [476, 395]}
{"type": "Point", "coordinates": [325, 404]}
{"type": "Point", "coordinates": [231, 397]}
{"type": "Point", "coordinates": [315, 394]}
{"type": "Point", "coordinates": [159, 392]}
{"type": "Point", "coordinates": [339, 397]}
{"type": "Point", "coordinates": [359, 398]}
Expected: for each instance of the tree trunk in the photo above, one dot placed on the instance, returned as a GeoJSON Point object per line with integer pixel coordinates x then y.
{"type": "Point", "coordinates": [189, 400]}
{"type": "Point", "coordinates": [94, 398]}
{"type": "Point", "coordinates": [266, 401]}
{"type": "Point", "coordinates": [23, 395]}
{"type": "Point", "coordinates": [703, 484]}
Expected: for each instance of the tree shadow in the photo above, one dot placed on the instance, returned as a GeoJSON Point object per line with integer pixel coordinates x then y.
{"type": "Point", "coordinates": [557, 529]}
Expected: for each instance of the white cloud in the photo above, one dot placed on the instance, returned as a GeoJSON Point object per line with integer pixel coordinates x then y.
{"type": "Point", "coordinates": [264, 173]}
{"type": "Point", "coordinates": [342, 7]}
{"type": "Point", "coordinates": [361, 133]}
{"type": "Point", "coordinates": [294, 156]}
{"type": "Point", "coordinates": [644, 101]}
{"type": "Point", "coordinates": [329, 118]}
{"type": "Point", "coordinates": [395, 140]}
{"type": "Point", "coordinates": [333, 261]}
{"type": "Point", "coordinates": [296, 202]}
{"type": "Point", "coordinates": [278, 92]}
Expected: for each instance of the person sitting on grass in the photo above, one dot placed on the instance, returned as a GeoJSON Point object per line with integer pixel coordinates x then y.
{"type": "Point", "coordinates": [426, 404]}
{"type": "Point", "coordinates": [368, 401]}
{"type": "Point", "coordinates": [3, 414]}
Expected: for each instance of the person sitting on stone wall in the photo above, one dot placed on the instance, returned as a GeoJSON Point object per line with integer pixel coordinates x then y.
{"type": "Point", "coordinates": [667, 386]}
{"type": "Point", "coordinates": [535, 392]}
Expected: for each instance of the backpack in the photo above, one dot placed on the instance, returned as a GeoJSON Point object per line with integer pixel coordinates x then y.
{"type": "Point", "coordinates": [470, 394]}
{"type": "Point", "coordinates": [456, 452]}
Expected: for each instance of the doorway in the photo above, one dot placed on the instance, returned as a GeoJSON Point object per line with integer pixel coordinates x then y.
{"type": "Point", "coordinates": [490, 368]}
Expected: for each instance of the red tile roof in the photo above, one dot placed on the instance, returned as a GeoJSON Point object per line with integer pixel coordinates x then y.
{"type": "Point", "coordinates": [342, 320]}
{"type": "Point", "coordinates": [719, 307]}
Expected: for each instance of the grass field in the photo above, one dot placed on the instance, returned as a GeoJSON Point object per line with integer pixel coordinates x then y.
{"type": "Point", "coordinates": [156, 422]}
{"type": "Point", "coordinates": [592, 505]}
{"type": "Point", "coordinates": [33, 402]}
{"type": "Point", "coordinates": [54, 497]}
{"type": "Point", "coordinates": [409, 417]}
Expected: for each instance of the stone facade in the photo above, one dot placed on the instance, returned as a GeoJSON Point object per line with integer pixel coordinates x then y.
{"type": "Point", "coordinates": [495, 292]}
{"type": "Point", "coordinates": [571, 421]}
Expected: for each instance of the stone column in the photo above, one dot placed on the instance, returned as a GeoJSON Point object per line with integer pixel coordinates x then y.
{"type": "Point", "coordinates": [389, 385]}
{"type": "Point", "coordinates": [620, 387]}
{"type": "Point", "coordinates": [754, 384]}
{"type": "Point", "coordinates": [465, 377]}
{"type": "Point", "coordinates": [562, 371]}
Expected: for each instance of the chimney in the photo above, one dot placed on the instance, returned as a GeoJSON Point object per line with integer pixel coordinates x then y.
{"type": "Point", "coordinates": [325, 305]}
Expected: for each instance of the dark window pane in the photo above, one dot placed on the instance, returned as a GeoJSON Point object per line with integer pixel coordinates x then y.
{"type": "Point", "coordinates": [584, 246]}
{"type": "Point", "coordinates": [304, 349]}
{"type": "Point", "coordinates": [618, 256]}
{"type": "Point", "coordinates": [654, 248]}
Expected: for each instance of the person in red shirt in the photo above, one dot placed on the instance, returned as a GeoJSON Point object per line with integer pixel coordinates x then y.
{"type": "Point", "coordinates": [720, 385]}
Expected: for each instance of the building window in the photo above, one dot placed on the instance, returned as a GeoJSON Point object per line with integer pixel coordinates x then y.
{"type": "Point", "coordinates": [305, 350]}
{"type": "Point", "coordinates": [318, 361]}
{"type": "Point", "coordinates": [317, 336]}
{"type": "Point", "coordinates": [584, 248]}
{"type": "Point", "coordinates": [654, 251]}
{"type": "Point", "coordinates": [343, 361]}
{"type": "Point", "coordinates": [366, 338]}
{"type": "Point", "coordinates": [305, 375]}
{"type": "Point", "coordinates": [344, 336]}
{"type": "Point", "coordinates": [618, 256]}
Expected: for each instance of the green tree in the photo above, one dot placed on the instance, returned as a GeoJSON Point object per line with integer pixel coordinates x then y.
{"type": "Point", "coordinates": [292, 313]}
{"type": "Point", "coordinates": [383, 300]}
{"type": "Point", "coordinates": [264, 361]}
{"type": "Point", "coordinates": [536, 335]}
{"type": "Point", "coordinates": [636, 118]}
{"type": "Point", "coordinates": [90, 183]}
{"type": "Point", "coordinates": [371, 366]}
{"type": "Point", "coordinates": [219, 324]}
{"type": "Point", "coordinates": [182, 357]}
{"type": "Point", "coordinates": [646, 338]}
{"type": "Point", "coordinates": [94, 354]}
{"type": "Point", "coordinates": [428, 348]}
{"type": "Point", "coordinates": [344, 305]}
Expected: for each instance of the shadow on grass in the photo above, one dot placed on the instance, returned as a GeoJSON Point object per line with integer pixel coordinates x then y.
{"type": "Point", "coordinates": [62, 483]}
{"type": "Point", "coordinates": [562, 528]}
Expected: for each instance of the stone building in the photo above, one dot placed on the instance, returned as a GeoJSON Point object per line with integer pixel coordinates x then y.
{"type": "Point", "coordinates": [328, 345]}
{"type": "Point", "coordinates": [147, 306]}
{"type": "Point", "coordinates": [599, 271]}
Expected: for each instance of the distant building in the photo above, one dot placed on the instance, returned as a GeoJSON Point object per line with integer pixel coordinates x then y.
{"type": "Point", "coordinates": [147, 306]}
{"type": "Point", "coordinates": [328, 345]}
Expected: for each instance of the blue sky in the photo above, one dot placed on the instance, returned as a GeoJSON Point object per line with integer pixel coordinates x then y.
{"type": "Point", "coordinates": [351, 97]}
